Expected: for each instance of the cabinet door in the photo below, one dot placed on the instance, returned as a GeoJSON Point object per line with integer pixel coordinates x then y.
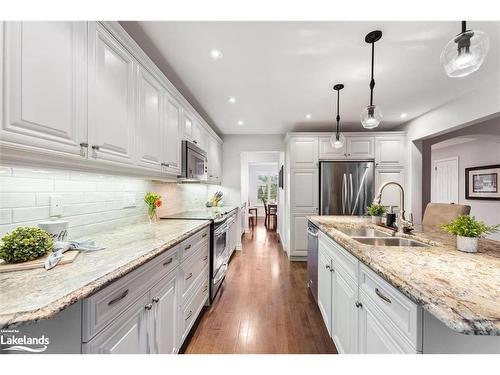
{"type": "Point", "coordinates": [172, 137]}
{"type": "Point", "coordinates": [111, 98]}
{"type": "Point", "coordinates": [325, 287]}
{"type": "Point", "coordinates": [373, 335]}
{"type": "Point", "coordinates": [328, 152]}
{"type": "Point", "coordinates": [389, 151]}
{"type": "Point", "coordinates": [304, 190]}
{"type": "Point", "coordinates": [164, 316]}
{"type": "Point", "coordinates": [187, 125]}
{"type": "Point", "coordinates": [344, 312]}
{"type": "Point", "coordinates": [213, 155]}
{"type": "Point", "coordinates": [218, 165]}
{"type": "Point", "coordinates": [150, 121]}
{"type": "Point", "coordinates": [391, 194]}
{"type": "Point", "coordinates": [360, 147]}
{"type": "Point", "coordinates": [200, 135]}
{"type": "Point", "coordinates": [126, 335]}
{"type": "Point", "coordinates": [299, 234]}
{"type": "Point", "coordinates": [304, 152]}
{"type": "Point", "coordinates": [45, 86]}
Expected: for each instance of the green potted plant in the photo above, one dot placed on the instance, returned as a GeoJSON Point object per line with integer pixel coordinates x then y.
{"type": "Point", "coordinates": [468, 230]}
{"type": "Point", "coordinates": [376, 211]}
{"type": "Point", "coordinates": [153, 201]}
{"type": "Point", "coordinates": [24, 244]}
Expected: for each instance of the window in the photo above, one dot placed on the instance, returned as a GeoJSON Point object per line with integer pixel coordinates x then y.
{"type": "Point", "coordinates": [267, 187]}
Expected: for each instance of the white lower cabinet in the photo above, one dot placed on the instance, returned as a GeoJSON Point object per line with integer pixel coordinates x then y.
{"type": "Point", "coordinates": [299, 234]}
{"type": "Point", "coordinates": [157, 318]}
{"type": "Point", "coordinates": [361, 311]}
{"type": "Point", "coordinates": [126, 335]}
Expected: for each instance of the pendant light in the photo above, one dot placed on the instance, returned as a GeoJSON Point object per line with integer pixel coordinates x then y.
{"type": "Point", "coordinates": [372, 115]}
{"type": "Point", "coordinates": [465, 53]}
{"type": "Point", "coordinates": [337, 139]}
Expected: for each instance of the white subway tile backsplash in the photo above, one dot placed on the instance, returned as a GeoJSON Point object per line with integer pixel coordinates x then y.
{"type": "Point", "coordinates": [12, 200]}
{"type": "Point", "coordinates": [5, 216]}
{"type": "Point", "coordinates": [21, 184]}
{"type": "Point", "coordinates": [40, 173]}
{"type": "Point", "coordinates": [5, 171]}
{"type": "Point", "coordinates": [30, 213]}
{"type": "Point", "coordinates": [72, 185]}
{"type": "Point", "coordinates": [43, 199]}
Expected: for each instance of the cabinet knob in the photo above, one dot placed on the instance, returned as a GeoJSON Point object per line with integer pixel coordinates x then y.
{"type": "Point", "coordinates": [156, 299]}
{"type": "Point", "coordinates": [149, 306]}
{"type": "Point", "coordinates": [327, 266]}
{"type": "Point", "coordinates": [95, 148]}
{"type": "Point", "coordinates": [83, 149]}
{"type": "Point", "coordinates": [358, 305]}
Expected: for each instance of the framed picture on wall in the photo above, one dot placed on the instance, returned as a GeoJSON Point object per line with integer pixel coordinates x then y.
{"type": "Point", "coordinates": [482, 182]}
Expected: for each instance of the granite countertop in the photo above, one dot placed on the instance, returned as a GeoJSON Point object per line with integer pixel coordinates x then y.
{"type": "Point", "coordinates": [28, 296]}
{"type": "Point", "coordinates": [462, 290]}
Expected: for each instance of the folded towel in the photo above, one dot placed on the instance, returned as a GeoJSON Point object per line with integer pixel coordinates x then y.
{"type": "Point", "coordinates": [61, 246]}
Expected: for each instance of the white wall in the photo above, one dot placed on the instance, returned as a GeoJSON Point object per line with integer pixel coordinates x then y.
{"type": "Point", "coordinates": [233, 147]}
{"type": "Point", "coordinates": [474, 107]}
{"type": "Point", "coordinates": [92, 202]}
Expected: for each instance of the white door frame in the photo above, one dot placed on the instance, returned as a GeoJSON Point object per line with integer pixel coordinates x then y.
{"type": "Point", "coordinates": [433, 177]}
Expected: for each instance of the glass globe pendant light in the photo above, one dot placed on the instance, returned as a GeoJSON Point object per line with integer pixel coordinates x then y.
{"type": "Point", "coordinates": [465, 53]}
{"type": "Point", "coordinates": [372, 115]}
{"type": "Point", "coordinates": [337, 140]}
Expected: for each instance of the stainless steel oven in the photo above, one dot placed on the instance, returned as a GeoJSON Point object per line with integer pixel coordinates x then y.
{"type": "Point", "coordinates": [220, 258]}
{"type": "Point", "coordinates": [194, 162]}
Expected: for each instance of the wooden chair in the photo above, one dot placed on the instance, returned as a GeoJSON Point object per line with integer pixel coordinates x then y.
{"type": "Point", "coordinates": [437, 214]}
{"type": "Point", "coordinates": [252, 217]}
{"type": "Point", "coordinates": [271, 212]}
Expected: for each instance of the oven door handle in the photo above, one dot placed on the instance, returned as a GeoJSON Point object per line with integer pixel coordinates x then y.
{"type": "Point", "coordinates": [221, 230]}
{"type": "Point", "coordinates": [218, 279]}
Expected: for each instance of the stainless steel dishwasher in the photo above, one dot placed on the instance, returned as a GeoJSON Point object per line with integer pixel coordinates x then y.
{"type": "Point", "coordinates": [312, 259]}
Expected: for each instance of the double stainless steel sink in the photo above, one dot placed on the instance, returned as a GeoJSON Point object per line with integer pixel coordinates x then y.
{"type": "Point", "coordinates": [374, 237]}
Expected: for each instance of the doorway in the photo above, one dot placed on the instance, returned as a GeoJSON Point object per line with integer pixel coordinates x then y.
{"type": "Point", "coordinates": [444, 180]}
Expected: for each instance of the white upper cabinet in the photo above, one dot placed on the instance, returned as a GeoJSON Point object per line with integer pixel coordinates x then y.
{"type": "Point", "coordinates": [328, 152]}
{"type": "Point", "coordinates": [390, 151]}
{"type": "Point", "coordinates": [304, 152]}
{"type": "Point", "coordinates": [111, 122]}
{"type": "Point", "coordinates": [199, 135]}
{"type": "Point", "coordinates": [359, 147]}
{"type": "Point", "coordinates": [150, 121]}
{"type": "Point", "coordinates": [172, 137]}
{"type": "Point", "coordinates": [304, 190]}
{"type": "Point", "coordinates": [44, 85]}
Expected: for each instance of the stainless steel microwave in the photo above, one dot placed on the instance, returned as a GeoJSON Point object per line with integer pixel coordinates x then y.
{"type": "Point", "coordinates": [194, 163]}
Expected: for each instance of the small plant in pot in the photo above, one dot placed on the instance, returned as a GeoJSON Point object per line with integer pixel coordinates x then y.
{"type": "Point", "coordinates": [24, 244]}
{"type": "Point", "coordinates": [468, 230]}
{"type": "Point", "coordinates": [376, 211]}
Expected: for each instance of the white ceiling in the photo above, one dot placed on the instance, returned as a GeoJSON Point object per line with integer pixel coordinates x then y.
{"type": "Point", "coordinates": [280, 71]}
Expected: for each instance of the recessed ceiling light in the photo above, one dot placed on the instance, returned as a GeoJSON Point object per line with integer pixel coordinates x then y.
{"type": "Point", "coordinates": [403, 115]}
{"type": "Point", "coordinates": [232, 99]}
{"type": "Point", "coordinates": [308, 116]}
{"type": "Point", "coordinates": [216, 54]}
{"type": "Point", "coordinates": [241, 123]}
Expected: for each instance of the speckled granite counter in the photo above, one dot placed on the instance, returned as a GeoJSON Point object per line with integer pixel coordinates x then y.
{"type": "Point", "coordinates": [27, 296]}
{"type": "Point", "coordinates": [462, 290]}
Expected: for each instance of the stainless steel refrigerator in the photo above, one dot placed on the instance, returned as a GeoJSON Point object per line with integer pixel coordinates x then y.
{"type": "Point", "coordinates": [346, 187]}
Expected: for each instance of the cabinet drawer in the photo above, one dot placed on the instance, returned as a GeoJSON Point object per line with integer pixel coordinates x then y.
{"type": "Point", "coordinates": [105, 305]}
{"type": "Point", "coordinates": [342, 259]}
{"type": "Point", "coordinates": [192, 268]}
{"type": "Point", "coordinates": [197, 240]}
{"type": "Point", "coordinates": [401, 312]}
{"type": "Point", "coordinates": [191, 309]}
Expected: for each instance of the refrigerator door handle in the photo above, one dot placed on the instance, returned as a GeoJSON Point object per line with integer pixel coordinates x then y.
{"type": "Point", "coordinates": [351, 193]}
{"type": "Point", "coordinates": [344, 193]}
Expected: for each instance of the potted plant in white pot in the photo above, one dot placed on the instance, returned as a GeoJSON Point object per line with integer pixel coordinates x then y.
{"type": "Point", "coordinates": [468, 230]}
{"type": "Point", "coordinates": [376, 211]}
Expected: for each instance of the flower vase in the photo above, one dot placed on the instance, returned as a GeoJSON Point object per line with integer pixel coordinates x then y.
{"type": "Point", "coordinates": [153, 217]}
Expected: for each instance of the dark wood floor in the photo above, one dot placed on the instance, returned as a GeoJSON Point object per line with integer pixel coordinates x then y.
{"type": "Point", "coordinates": [264, 306]}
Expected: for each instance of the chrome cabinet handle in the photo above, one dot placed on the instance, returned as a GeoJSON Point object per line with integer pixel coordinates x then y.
{"type": "Point", "coordinates": [332, 269]}
{"type": "Point", "coordinates": [119, 298]}
{"type": "Point", "coordinates": [195, 142]}
{"type": "Point", "coordinates": [379, 293]}
{"type": "Point", "coordinates": [204, 235]}
{"type": "Point", "coordinates": [358, 305]}
{"type": "Point", "coordinates": [169, 260]}
{"type": "Point", "coordinates": [312, 233]}
{"type": "Point", "coordinates": [187, 247]}
{"type": "Point", "coordinates": [95, 148]}
{"type": "Point", "coordinates": [205, 257]}
{"type": "Point", "coordinates": [83, 149]}
{"type": "Point", "coordinates": [149, 306]}
{"type": "Point", "coordinates": [327, 266]}
{"type": "Point", "coordinates": [205, 288]}
{"type": "Point", "coordinates": [189, 314]}
{"type": "Point", "coordinates": [189, 276]}
{"type": "Point", "coordinates": [156, 299]}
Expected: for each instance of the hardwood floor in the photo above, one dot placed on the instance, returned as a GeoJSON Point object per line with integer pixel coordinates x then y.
{"type": "Point", "coordinates": [264, 306]}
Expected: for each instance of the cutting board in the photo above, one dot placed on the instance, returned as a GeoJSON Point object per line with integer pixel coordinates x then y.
{"type": "Point", "coordinates": [68, 257]}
